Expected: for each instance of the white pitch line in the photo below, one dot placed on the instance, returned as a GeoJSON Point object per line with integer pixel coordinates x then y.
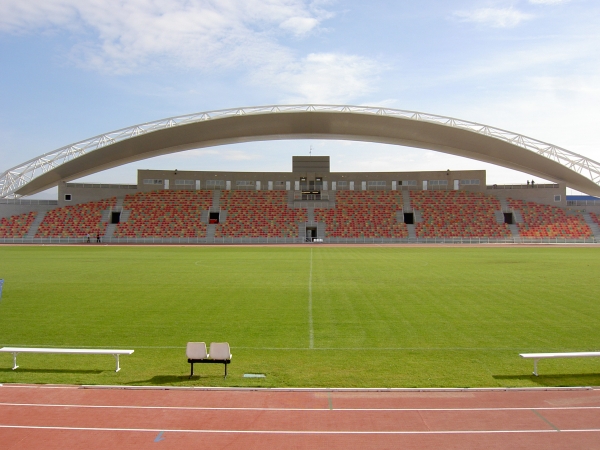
{"type": "Point", "coordinates": [154, 347]}
{"type": "Point", "coordinates": [297, 432]}
{"type": "Point", "coordinates": [311, 331]}
{"type": "Point", "coordinates": [324, 409]}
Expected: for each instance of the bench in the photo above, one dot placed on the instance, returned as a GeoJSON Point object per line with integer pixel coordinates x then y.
{"type": "Point", "coordinates": [537, 356]}
{"type": "Point", "coordinates": [219, 354]}
{"type": "Point", "coordinates": [65, 351]}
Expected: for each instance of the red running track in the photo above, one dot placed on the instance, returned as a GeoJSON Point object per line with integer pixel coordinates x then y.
{"type": "Point", "coordinates": [52, 417]}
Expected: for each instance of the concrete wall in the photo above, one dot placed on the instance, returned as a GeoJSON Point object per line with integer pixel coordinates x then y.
{"type": "Point", "coordinates": [538, 194]}
{"type": "Point", "coordinates": [23, 206]}
{"type": "Point", "coordinates": [83, 192]}
{"type": "Point", "coordinates": [264, 177]}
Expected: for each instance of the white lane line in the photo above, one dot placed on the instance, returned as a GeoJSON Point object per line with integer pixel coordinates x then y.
{"type": "Point", "coordinates": [311, 331]}
{"type": "Point", "coordinates": [324, 409]}
{"type": "Point", "coordinates": [297, 432]}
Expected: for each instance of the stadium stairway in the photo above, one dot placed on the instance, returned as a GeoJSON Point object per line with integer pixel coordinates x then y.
{"type": "Point", "coordinates": [407, 207]}
{"type": "Point", "coordinates": [514, 228]}
{"type": "Point", "coordinates": [125, 214]}
{"type": "Point", "coordinates": [406, 199]}
{"type": "Point", "coordinates": [211, 228]}
{"type": "Point", "coordinates": [110, 230]}
{"type": "Point", "coordinates": [216, 201]}
{"type": "Point", "coordinates": [412, 232]}
{"type": "Point", "coordinates": [499, 215]}
{"type": "Point", "coordinates": [593, 225]}
{"type": "Point", "coordinates": [518, 216]}
{"type": "Point", "coordinates": [35, 224]}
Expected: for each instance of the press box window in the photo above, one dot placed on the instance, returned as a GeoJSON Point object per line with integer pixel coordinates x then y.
{"type": "Point", "coordinates": [67, 197]}
{"type": "Point", "coordinates": [244, 184]}
{"type": "Point", "coordinates": [184, 182]}
{"type": "Point", "coordinates": [215, 184]}
{"type": "Point", "coordinates": [374, 185]}
{"type": "Point", "coordinates": [557, 198]}
{"type": "Point", "coordinates": [149, 181]}
{"type": "Point", "coordinates": [467, 182]}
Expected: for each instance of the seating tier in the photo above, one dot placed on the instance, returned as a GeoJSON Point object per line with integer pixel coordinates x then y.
{"type": "Point", "coordinates": [544, 221]}
{"type": "Point", "coordinates": [165, 214]}
{"type": "Point", "coordinates": [457, 214]}
{"type": "Point", "coordinates": [75, 221]}
{"type": "Point", "coordinates": [258, 214]}
{"type": "Point", "coordinates": [363, 214]}
{"type": "Point", "coordinates": [16, 226]}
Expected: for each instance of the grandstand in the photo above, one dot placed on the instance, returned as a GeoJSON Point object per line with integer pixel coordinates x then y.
{"type": "Point", "coordinates": [308, 204]}
{"type": "Point", "coordinates": [458, 214]}
{"type": "Point", "coordinates": [16, 226]}
{"type": "Point", "coordinates": [163, 214]}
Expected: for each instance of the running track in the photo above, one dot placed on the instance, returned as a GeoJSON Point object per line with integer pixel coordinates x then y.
{"type": "Point", "coordinates": [53, 417]}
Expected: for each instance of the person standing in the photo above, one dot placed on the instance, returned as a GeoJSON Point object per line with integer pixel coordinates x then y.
{"type": "Point", "coordinates": [98, 238]}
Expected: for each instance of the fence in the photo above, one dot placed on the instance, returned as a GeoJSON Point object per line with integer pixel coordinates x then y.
{"type": "Point", "coordinates": [299, 240]}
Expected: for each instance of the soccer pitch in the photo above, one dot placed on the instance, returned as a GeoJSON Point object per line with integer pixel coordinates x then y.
{"type": "Point", "coordinates": [305, 316]}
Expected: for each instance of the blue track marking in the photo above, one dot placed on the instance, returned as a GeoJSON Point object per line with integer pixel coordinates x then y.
{"type": "Point", "coordinates": [159, 437]}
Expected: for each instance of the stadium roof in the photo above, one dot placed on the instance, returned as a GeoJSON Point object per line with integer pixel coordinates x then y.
{"type": "Point", "coordinates": [357, 123]}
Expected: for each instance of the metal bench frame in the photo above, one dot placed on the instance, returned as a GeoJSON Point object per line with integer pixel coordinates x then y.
{"type": "Point", "coordinates": [65, 351]}
{"type": "Point", "coordinates": [537, 356]}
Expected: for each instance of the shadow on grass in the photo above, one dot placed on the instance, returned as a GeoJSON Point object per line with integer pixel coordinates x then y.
{"type": "Point", "coordinates": [557, 379]}
{"type": "Point", "coordinates": [173, 379]}
{"type": "Point", "coordinates": [21, 370]}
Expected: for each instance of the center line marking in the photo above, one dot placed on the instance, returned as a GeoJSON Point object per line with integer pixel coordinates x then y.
{"type": "Point", "coordinates": [311, 332]}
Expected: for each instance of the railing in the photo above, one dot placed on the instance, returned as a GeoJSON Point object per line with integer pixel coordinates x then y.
{"type": "Point", "coordinates": [298, 196]}
{"type": "Point", "coordinates": [102, 186]}
{"type": "Point", "coordinates": [583, 202]}
{"type": "Point", "coordinates": [299, 240]}
{"type": "Point", "coordinates": [18, 201]}
{"type": "Point", "coordinates": [522, 186]}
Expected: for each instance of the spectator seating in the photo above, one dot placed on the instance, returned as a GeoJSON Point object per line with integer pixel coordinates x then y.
{"type": "Point", "coordinates": [544, 221]}
{"type": "Point", "coordinates": [258, 214]}
{"type": "Point", "coordinates": [457, 214]}
{"type": "Point", "coordinates": [16, 226]}
{"type": "Point", "coordinates": [165, 214]}
{"type": "Point", "coordinates": [363, 214]}
{"type": "Point", "coordinates": [595, 217]}
{"type": "Point", "coordinates": [75, 221]}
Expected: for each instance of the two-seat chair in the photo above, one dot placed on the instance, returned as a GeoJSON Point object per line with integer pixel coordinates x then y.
{"type": "Point", "coordinates": [219, 354]}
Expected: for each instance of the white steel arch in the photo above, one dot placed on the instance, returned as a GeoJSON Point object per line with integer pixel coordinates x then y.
{"type": "Point", "coordinates": [14, 181]}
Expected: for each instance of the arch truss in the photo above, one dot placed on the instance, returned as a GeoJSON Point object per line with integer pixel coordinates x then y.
{"type": "Point", "coordinates": [15, 178]}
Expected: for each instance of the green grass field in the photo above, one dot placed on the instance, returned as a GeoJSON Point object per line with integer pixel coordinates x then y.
{"type": "Point", "coordinates": [305, 317]}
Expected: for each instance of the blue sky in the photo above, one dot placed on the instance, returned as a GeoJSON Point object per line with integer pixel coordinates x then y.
{"type": "Point", "coordinates": [72, 69]}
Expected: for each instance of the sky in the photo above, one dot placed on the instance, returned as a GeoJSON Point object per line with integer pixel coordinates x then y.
{"type": "Point", "coordinates": [73, 69]}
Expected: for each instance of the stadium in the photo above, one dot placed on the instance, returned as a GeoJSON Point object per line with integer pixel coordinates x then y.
{"type": "Point", "coordinates": [374, 296]}
{"type": "Point", "coordinates": [310, 203]}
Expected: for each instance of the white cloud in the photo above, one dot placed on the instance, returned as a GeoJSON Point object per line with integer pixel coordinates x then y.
{"type": "Point", "coordinates": [494, 17]}
{"type": "Point", "coordinates": [321, 78]}
{"type": "Point", "coordinates": [299, 25]}
{"type": "Point", "coordinates": [548, 2]}
{"type": "Point", "coordinates": [185, 33]}
{"type": "Point", "coordinates": [119, 37]}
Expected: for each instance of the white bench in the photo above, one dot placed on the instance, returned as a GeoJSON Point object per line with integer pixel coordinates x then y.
{"type": "Point", "coordinates": [68, 351]}
{"type": "Point", "coordinates": [537, 356]}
